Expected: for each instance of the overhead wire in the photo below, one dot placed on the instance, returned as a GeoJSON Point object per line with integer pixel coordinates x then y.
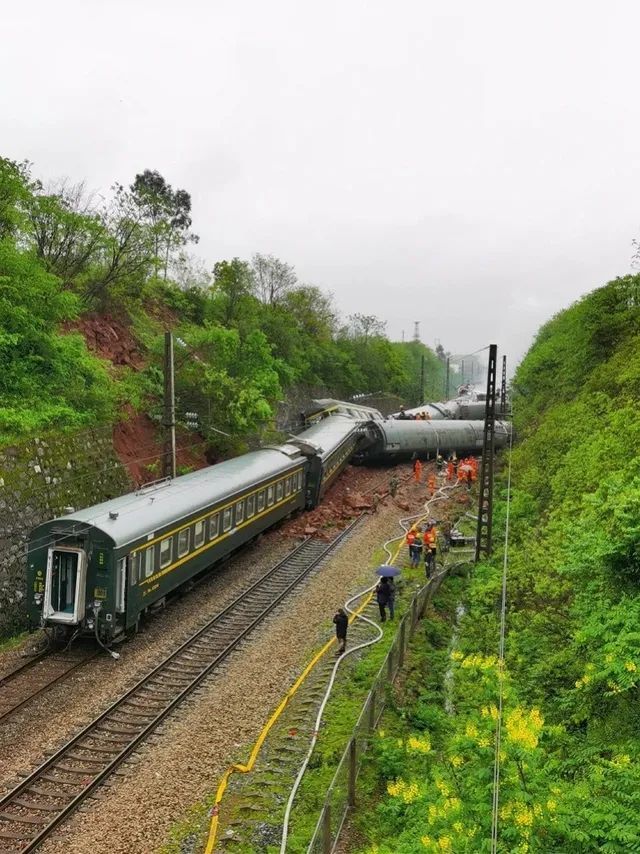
{"type": "Point", "coordinates": [135, 495]}
{"type": "Point", "coordinates": [39, 542]}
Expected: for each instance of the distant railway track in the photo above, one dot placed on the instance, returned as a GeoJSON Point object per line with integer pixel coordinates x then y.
{"type": "Point", "coordinates": [36, 675]}
{"type": "Point", "coordinates": [34, 808]}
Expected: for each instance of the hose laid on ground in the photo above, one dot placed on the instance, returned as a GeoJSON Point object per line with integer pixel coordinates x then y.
{"type": "Point", "coordinates": [325, 699]}
{"type": "Point", "coordinates": [404, 522]}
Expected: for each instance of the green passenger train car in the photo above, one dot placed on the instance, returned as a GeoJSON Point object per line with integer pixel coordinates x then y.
{"type": "Point", "coordinates": [97, 570]}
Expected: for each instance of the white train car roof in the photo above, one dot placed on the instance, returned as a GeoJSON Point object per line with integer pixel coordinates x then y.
{"type": "Point", "coordinates": [329, 433]}
{"type": "Point", "coordinates": [328, 406]}
{"type": "Point", "coordinates": [140, 514]}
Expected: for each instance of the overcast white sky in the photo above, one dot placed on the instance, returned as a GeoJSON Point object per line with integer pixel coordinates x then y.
{"type": "Point", "coordinates": [472, 165]}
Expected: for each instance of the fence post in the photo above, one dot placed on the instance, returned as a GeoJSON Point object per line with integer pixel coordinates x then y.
{"type": "Point", "coordinates": [372, 709]}
{"type": "Point", "coordinates": [401, 644]}
{"type": "Point", "coordinates": [390, 665]}
{"type": "Point", "coordinates": [352, 773]}
{"type": "Point", "coordinates": [414, 613]}
{"type": "Point", "coordinates": [326, 829]}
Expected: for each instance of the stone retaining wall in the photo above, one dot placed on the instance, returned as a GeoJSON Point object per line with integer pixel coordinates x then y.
{"type": "Point", "coordinates": [38, 480]}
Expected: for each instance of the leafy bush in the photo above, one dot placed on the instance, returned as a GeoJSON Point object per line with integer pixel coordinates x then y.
{"type": "Point", "coordinates": [48, 379]}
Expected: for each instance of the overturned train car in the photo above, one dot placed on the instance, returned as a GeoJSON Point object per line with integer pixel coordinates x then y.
{"type": "Point", "coordinates": [392, 438]}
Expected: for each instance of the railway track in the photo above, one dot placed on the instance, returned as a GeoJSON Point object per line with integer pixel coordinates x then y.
{"type": "Point", "coordinates": [31, 678]}
{"type": "Point", "coordinates": [34, 808]}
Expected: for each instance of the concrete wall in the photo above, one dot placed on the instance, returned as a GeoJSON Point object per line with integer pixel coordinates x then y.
{"type": "Point", "coordinates": [38, 480]}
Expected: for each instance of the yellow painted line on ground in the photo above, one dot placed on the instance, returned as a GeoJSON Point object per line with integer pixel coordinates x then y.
{"type": "Point", "coordinates": [244, 769]}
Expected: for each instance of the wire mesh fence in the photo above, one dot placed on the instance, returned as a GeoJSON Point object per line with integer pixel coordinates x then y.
{"type": "Point", "coordinates": [341, 794]}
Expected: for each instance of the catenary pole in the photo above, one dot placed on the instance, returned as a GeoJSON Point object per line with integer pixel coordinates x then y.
{"type": "Point", "coordinates": [485, 500]}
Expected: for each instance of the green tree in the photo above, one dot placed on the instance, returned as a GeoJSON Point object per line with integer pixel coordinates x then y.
{"type": "Point", "coordinates": [233, 285]}
{"type": "Point", "coordinates": [273, 278]}
{"type": "Point", "coordinates": [67, 231]}
{"type": "Point", "coordinates": [16, 189]}
{"type": "Point", "coordinates": [167, 213]}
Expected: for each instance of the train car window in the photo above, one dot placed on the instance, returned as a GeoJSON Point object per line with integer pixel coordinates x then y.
{"type": "Point", "coordinates": [198, 534]}
{"type": "Point", "coordinates": [183, 542]}
{"type": "Point", "coordinates": [261, 501]}
{"type": "Point", "coordinates": [133, 575]}
{"type": "Point", "coordinates": [227, 519]}
{"type": "Point", "coordinates": [287, 486]}
{"type": "Point", "coordinates": [251, 504]}
{"type": "Point", "coordinates": [239, 512]}
{"type": "Point", "coordinates": [166, 552]}
{"type": "Point", "coordinates": [300, 479]}
{"type": "Point", "coordinates": [269, 496]}
{"type": "Point", "coordinates": [213, 526]}
{"type": "Point", "coordinates": [279, 487]}
{"type": "Point", "coordinates": [149, 561]}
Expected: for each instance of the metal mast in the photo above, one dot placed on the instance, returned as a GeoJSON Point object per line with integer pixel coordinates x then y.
{"type": "Point", "coordinates": [485, 501]}
{"type": "Point", "coordinates": [503, 388]}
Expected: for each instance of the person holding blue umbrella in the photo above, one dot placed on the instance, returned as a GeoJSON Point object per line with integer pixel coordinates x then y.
{"type": "Point", "coordinates": [386, 591]}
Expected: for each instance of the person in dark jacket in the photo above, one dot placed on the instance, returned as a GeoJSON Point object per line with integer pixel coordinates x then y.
{"type": "Point", "coordinates": [383, 598]}
{"type": "Point", "coordinates": [341, 622]}
{"type": "Point", "coordinates": [392, 597]}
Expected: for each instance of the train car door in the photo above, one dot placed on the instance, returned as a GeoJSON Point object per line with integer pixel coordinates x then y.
{"type": "Point", "coordinates": [121, 585]}
{"type": "Point", "coordinates": [64, 594]}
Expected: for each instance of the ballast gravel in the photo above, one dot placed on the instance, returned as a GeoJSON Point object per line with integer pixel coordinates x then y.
{"type": "Point", "coordinates": [182, 764]}
{"type": "Point", "coordinates": [44, 724]}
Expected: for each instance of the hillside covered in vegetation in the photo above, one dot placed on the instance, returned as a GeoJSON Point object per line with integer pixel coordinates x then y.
{"type": "Point", "coordinates": [249, 334]}
{"type": "Point", "coordinates": [570, 749]}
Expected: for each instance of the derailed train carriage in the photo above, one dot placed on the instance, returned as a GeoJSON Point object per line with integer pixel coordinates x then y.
{"type": "Point", "coordinates": [96, 571]}
{"type": "Point", "coordinates": [402, 438]}
{"type": "Point", "coordinates": [467, 407]}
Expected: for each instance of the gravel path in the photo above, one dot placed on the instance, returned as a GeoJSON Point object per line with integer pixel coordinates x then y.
{"type": "Point", "coordinates": [183, 765]}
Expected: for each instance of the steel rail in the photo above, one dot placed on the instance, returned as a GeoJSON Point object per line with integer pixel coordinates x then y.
{"type": "Point", "coordinates": [26, 668]}
{"type": "Point", "coordinates": [113, 735]}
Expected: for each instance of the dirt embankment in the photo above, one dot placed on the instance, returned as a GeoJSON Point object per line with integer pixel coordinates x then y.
{"type": "Point", "coordinates": [139, 446]}
{"type": "Point", "coordinates": [110, 339]}
{"type": "Point", "coordinates": [137, 439]}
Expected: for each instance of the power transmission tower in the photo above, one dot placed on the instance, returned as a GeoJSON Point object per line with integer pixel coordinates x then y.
{"type": "Point", "coordinates": [169, 419]}
{"type": "Point", "coordinates": [485, 501]}
{"type": "Point", "coordinates": [416, 331]}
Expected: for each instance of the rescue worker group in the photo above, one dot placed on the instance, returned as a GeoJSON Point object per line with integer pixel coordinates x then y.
{"type": "Point", "coordinates": [422, 540]}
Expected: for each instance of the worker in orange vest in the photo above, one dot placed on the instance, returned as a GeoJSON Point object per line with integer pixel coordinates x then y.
{"type": "Point", "coordinates": [417, 470]}
{"type": "Point", "coordinates": [450, 470]}
{"type": "Point", "coordinates": [410, 540]}
{"type": "Point", "coordinates": [465, 472]}
{"type": "Point", "coordinates": [432, 485]}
